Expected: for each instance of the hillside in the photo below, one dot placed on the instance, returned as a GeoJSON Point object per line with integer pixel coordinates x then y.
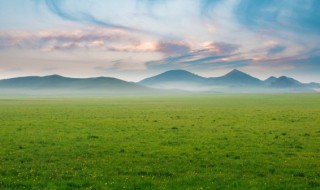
{"type": "Point", "coordinates": [233, 82]}
{"type": "Point", "coordinates": [236, 78]}
{"type": "Point", "coordinates": [59, 84]}
{"type": "Point", "coordinates": [173, 81]}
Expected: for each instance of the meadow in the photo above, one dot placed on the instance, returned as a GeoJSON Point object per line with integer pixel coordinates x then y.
{"type": "Point", "coordinates": [164, 142]}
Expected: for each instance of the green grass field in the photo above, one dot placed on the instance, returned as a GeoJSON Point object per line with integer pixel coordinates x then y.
{"type": "Point", "coordinates": [177, 142]}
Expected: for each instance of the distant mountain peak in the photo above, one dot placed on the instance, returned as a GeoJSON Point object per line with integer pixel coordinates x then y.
{"type": "Point", "coordinates": [236, 77]}
{"type": "Point", "coordinates": [235, 73]}
{"type": "Point", "coordinates": [54, 82]}
{"type": "Point", "coordinates": [285, 82]}
{"type": "Point", "coordinates": [271, 78]}
{"type": "Point", "coordinates": [54, 76]}
{"type": "Point", "coordinates": [173, 76]}
{"type": "Point", "coordinates": [284, 77]}
{"type": "Point", "coordinates": [178, 72]}
{"type": "Point", "coordinates": [234, 81]}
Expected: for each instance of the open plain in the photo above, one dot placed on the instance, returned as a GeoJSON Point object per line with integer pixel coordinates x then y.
{"type": "Point", "coordinates": [161, 142]}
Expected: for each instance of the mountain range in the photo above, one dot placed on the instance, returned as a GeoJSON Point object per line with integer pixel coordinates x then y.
{"type": "Point", "coordinates": [59, 85]}
{"type": "Point", "coordinates": [173, 81]}
{"type": "Point", "coordinates": [233, 82]}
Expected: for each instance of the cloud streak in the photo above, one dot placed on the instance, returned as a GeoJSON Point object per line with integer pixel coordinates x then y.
{"type": "Point", "coordinates": [223, 47]}
{"type": "Point", "coordinates": [206, 6]}
{"type": "Point", "coordinates": [58, 8]}
{"type": "Point", "coordinates": [295, 16]}
{"type": "Point", "coordinates": [277, 49]}
{"type": "Point", "coordinates": [65, 40]}
{"type": "Point", "coordinates": [172, 48]}
{"type": "Point", "coordinates": [212, 53]}
{"type": "Point", "coordinates": [101, 40]}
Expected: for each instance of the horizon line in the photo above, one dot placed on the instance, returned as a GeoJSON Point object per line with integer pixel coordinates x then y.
{"type": "Point", "coordinates": [102, 76]}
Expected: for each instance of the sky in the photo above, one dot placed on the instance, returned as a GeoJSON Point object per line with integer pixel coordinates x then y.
{"type": "Point", "coordinates": [134, 39]}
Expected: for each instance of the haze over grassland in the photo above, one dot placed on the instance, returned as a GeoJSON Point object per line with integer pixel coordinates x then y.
{"type": "Point", "coordinates": [170, 82]}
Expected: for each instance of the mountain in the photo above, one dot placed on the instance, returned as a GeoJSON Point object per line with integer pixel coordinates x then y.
{"type": "Point", "coordinates": [286, 82]}
{"type": "Point", "coordinates": [175, 79]}
{"type": "Point", "coordinates": [236, 78]}
{"type": "Point", "coordinates": [270, 80]}
{"type": "Point", "coordinates": [181, 79]}
{"type": "Point", "coordinates": [314, 85]}
{"type": "Point", "coordinates": [56, 83]}
{"type": "Point", "coordinates": [233, 82]}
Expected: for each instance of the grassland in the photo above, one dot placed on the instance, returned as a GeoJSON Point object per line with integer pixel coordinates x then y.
{"type": "Point", "coordinates": [178, 142]}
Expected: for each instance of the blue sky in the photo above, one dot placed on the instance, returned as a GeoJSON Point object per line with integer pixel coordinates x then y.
{"type": "Point", "coordinates": [134, 39]}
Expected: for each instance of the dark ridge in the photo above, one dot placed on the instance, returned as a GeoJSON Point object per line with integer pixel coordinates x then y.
{"type": "Point", "coordinates": [173, 76]}
{"type": "Point", "coordinates": [236, 78]}
{"type": "Point", "coordinates": [286, 82]}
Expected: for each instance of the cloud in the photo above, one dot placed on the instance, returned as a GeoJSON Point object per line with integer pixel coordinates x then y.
{"type": "Point", "coordinates": [306, 64]}
{"type": "Point", "coordinates": [173, 48]}
{"type": "Point", "coordinates": [212, 54]}
{"type": "Point", "coordinates": [222, 47]}
{"type": "Point", "coordinates": [120, 65]}
{"type": "Point", "coordinates": [14, 69]}
{"type": "Point", "coordinates": [139, 46]}
{"type": "Point", "coordinates": [151, 3]}
{"type": "Point", "coordinates": [58, 7]}
{"type": "Point", "coordinates": [222, 55]}
{"type": "Point", "coordinates": [115, 64]}
{"type": "Point", "coordinates": [204, 63]}
{"type": "Point", "coordinates": [296, 16]}
{"type": "Point", "coordinates": [207, 5]}
{"type": "Point", "coordinates": [5, 41]}
{"type": "Point", "coordinates": [206, 59]}
{"type": "Point", "coordinates": [50, 68]}
{"type": "Point", "coordinates": [277, 49]}
{"type": "Point", "coordinates": [105, 40]}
